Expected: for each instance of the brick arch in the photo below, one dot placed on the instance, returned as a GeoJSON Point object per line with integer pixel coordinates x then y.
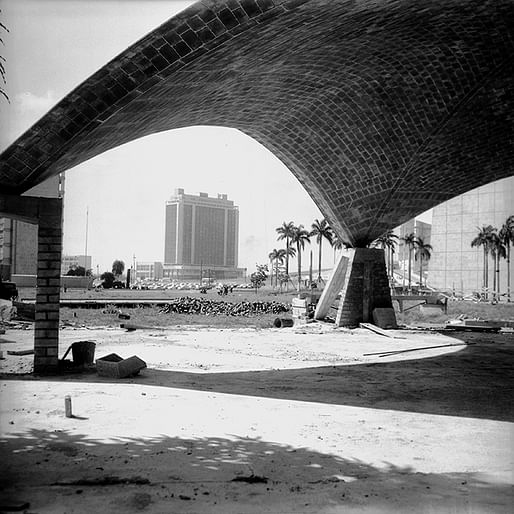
{"type": "Point", "coordinates": [381, 109]}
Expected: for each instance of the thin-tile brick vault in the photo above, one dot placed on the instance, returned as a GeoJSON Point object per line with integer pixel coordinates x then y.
{"type": "Point", "coordinates": [381, 109]}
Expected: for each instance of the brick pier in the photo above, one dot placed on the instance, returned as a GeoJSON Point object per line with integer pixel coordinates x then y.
{"type": "Point", "coordinates": [46, 338]}
{"type": "Point", "coordinates": [366, 287]}
{"type": "Point", "coordinates": [47, 214]}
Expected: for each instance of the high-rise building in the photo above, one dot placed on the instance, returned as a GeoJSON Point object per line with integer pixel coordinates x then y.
{"type": "Point", "coordinates": [455, 265]}
{"type": "Point", "coordinates": [201, 237]}
{"type": "Point", "coordinates": [18, 239]}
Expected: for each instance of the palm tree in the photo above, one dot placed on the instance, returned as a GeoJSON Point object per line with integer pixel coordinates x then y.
{"type": "Point", "coordinates": [507, 238]}
{"type": "Point", "coordinates": [387, 241]}
{"type": "Point", "coordinates": [337, 244]}
{"type": "Point", "coordinates": [285, 231]}
{"type": "Point", "coordinates": [497, 250]}
{"type": "Point", "coordinates": [299, 238]}
{"type": "Point", "coordinates": [276, 257]}
{"type": "Point", "coordinates": [423, 253]}
{"type": "Point", "coordinates": [410, 241]}
{"type": "Point", "coordinates": [483, 239]}
{"type": "Point", "coordinates": [321, 229]}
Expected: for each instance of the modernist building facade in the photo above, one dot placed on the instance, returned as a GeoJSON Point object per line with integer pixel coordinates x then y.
{"type": "Point", "coordinates": [420, 229]}
{"type": "Point", "coordinates": [455, 265]}
{"type": "Point", "coordinates": [148, 270]}
{"type": "Point", "coordinates": [73, 261]}
{"type": "Point", "coordinates": [18, 239]}
{"type": "Point", "coordinates": [201, 237]}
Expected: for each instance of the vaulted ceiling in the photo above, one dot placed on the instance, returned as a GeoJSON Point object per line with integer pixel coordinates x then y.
{"type": "Point", "coordinates": [381, 108]}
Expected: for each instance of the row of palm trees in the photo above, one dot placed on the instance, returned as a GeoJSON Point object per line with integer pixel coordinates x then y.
{"type": "Point", "coordinates": [416, 246]}
{"type": "Point", "coordinates": [296, 237]}
{"type": "Point", "coordinates": [496, 244]}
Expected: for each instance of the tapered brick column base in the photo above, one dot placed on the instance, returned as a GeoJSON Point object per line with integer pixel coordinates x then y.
{"type": "Point", "coordinates": [366, 287]}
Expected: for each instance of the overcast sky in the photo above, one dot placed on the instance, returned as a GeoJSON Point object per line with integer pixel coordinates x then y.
{"type": "Point", "coordinates": [54, 45]}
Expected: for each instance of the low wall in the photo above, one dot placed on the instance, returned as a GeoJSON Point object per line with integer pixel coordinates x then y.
{"type": "Point", "coordinates": [66, 281]}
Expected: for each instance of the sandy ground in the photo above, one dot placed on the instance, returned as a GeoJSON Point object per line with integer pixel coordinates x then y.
{"type": "Point", "coordinates": [263, 421]}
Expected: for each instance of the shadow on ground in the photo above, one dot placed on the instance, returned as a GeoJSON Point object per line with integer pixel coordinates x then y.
{"type": "Point", "coordinates": [477, 381]}
{"type": "Point", "coordinates": [44, 467]}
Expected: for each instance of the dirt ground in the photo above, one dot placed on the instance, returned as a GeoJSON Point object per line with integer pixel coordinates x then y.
{"type": "Point", "coordinates": [294, 420]}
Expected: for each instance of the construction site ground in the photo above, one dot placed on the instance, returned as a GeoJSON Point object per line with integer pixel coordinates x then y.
{"type": "Point", "coordinates": [249, 420]}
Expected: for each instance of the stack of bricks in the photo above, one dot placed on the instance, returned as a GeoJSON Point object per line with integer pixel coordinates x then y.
{"type": "Point", "coordinates": [46, 339]}
{"type": "Point", "coordinates": [366, 287]}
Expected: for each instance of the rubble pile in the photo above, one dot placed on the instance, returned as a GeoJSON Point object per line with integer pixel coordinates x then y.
{"type": "Point", "coordinates": [189, 305]}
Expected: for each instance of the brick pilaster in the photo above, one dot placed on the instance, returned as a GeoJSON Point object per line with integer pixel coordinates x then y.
{"type": "Point", "coordinates": [366, 287]}
{"type": "Point", "coordinates": [46, 337]}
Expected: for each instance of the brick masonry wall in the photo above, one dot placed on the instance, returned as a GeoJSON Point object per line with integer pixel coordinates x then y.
{"type": "Point", "coordinates": [366, 287]}
{"type": "Point", "coordinates": [46, 337]}
{"type": "Point", "coordinates": [378, 108]}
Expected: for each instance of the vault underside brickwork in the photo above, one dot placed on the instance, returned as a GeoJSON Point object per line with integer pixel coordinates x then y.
{"type": "Point", "coordinates": [381, 109]}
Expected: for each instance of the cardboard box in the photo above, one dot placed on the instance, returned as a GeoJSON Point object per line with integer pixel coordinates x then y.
{"type": "Point", "coordinates": [114, 366]}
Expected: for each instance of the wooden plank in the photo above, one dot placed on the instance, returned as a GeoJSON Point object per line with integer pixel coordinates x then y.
{"type": "Point", "coordinates": [332, 288]}
{"type": "Point", "coordinates": [387, 353]}
{"type": "Point", "coordinates": [380, 331]}
{"type": "Point", "coordinates": [20, 352]}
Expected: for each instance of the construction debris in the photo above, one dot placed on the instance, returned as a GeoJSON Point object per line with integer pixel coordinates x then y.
{"type": "Point", "coordinates": [189, 305]}
{"type": "Point", "coordinates": [478, 325]}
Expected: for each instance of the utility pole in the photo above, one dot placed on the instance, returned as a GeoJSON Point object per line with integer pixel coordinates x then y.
{"type": "Point", "coordinates": [85, 250]}
{"type": "Point", "coordinates": [310, 270]}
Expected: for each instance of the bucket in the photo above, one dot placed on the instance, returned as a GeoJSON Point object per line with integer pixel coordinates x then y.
{"type": "Point", "coordinates": [83, 352]}
{"type": "Point", "coordinates": [283, 322]}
